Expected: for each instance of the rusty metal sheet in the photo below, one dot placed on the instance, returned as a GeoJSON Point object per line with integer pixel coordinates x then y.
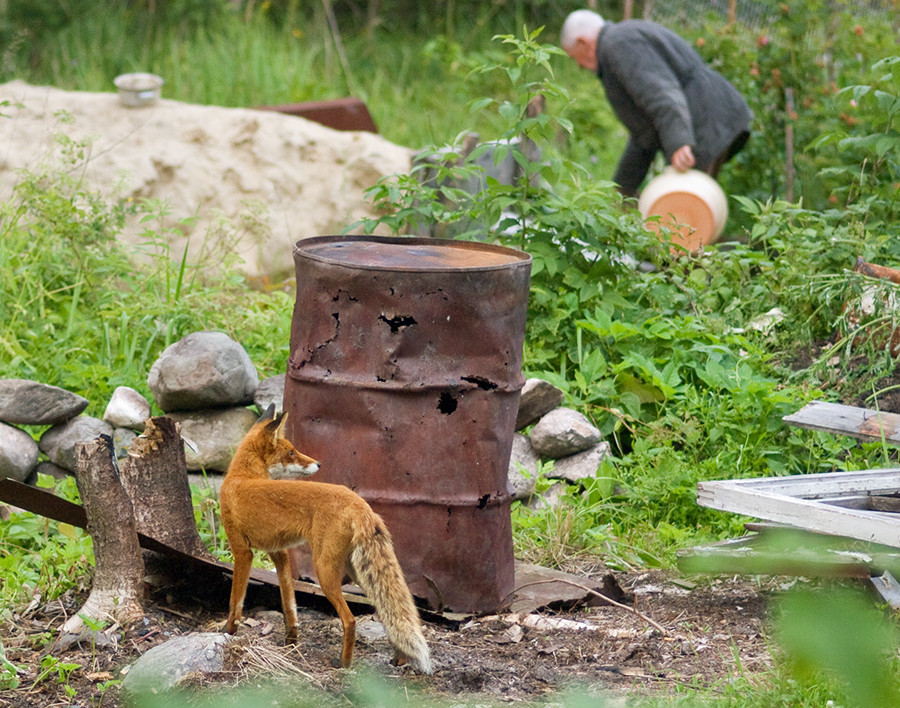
{"type": "Point", "coordinates": [408, 255]}
{"type": "Point", "coordinates": [403, 381]}
{"type": "Point", "coordinates": [339, 114]}
{"type": "Point", "coordinates": [873, 270]}
{"type": "Point", "coordinates": [45, 503]}
{"type": "Point", "coordinates": [532, 592]}
{"type": "Point", "coordinates": [539, 588]}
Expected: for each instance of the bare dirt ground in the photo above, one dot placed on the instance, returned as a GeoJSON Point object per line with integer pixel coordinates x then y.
{"type": "Point", "coordinates": [713, 629]}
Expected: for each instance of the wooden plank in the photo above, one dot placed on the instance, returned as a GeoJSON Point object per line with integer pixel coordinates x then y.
{"type": "Point", "coordinates": [822, 485]}
{"type": "Point", "coordinates": [860, 423]}
{"type": "Point", "coordinates": [888, 504]}
{"type": "Point", "coordinates": [777, 549]}
{"type": "Point", "coordinates": [761, 561]}
{"type": "Point", "coordinates": [870, 526]}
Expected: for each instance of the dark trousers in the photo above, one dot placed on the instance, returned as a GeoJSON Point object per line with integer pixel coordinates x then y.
{"type": "Point", "coordinates": [736, 146]}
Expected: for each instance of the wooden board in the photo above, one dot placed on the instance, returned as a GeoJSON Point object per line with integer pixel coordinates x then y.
{"type": "Point", "coordinates": [749, 557]}
{"type": "Point", "coordinates": [779, 550]}
{"type": "Point", "coordinates": [808, 502]}
{"type": "Point", "coordinates": [847, 420]}
{"type": "Point", "coordinates": [859, 505]}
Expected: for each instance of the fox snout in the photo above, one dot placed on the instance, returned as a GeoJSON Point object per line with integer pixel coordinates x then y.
{"type": "Point", "coordinates": [299, 466]}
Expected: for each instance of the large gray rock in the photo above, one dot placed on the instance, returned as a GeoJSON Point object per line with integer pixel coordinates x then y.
{"type": "Point", "coordinates": [216, 434]}
{"type": "Point", "coordinates": [127, 409]}
{"type": "Point", "coordinates": [550, 498]}
{"type": "Point", "coordinates": [203, 370]}
{"type": "Point", "coordinates": [18, 453]}
{"type": "Point", "coordinates": [523, 468]}
{"type": "Point", "coordinates": [122, 439]}
{"type": "Point", "coordinates": [26, 402]}
{"type": "Point", "coordinates": [270, 390]}
{"type": "Point", "coordinates": [58, 443]}
{"type": "Point", "coordinates": [48, 468]}
{"type": "Point", "coordinates": [537, 398]}
{"type": "Point", "coordinates": [563, 432]}
{"type": "Point", "coordinates": [161, 668]}
{"type": "Point", "coordinates": [582, 465]}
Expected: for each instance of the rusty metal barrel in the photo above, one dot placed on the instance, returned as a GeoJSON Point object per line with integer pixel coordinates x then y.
{"type": "Point", "coordinates": [403, 381]}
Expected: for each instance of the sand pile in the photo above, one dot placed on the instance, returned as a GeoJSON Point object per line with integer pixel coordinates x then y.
{"type": "Point", "coordinates": [272, 179]}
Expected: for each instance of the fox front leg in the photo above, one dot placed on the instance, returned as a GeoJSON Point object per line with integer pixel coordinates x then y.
{"type": "Point", "coordinates": [243, 559]}
{"type": "Point", "coordinates": [288, 598]}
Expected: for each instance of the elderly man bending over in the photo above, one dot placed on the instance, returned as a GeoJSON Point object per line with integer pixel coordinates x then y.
{"type": "Point", "coordinates": [663, 93]}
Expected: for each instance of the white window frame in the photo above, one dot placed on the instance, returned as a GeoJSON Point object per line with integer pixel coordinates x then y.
{"type": "Point", "coordinates": [834, 503]}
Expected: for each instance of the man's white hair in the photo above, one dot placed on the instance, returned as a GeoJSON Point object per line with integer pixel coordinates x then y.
{"type": "Point", "coordinates": [579, 24]}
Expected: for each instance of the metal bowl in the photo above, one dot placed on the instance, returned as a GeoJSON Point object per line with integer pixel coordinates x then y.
{"type": "Point", "coordinates": [138, 89]}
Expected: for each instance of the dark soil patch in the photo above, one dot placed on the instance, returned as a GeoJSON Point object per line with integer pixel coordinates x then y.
{"type": "Point", "coordinates": [863, 381]}
{"type": "Point", "coordinates": [709, 628]}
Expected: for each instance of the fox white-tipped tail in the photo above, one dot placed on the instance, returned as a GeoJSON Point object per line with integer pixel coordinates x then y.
{"type": "Point", "coordinates": [379, 575]}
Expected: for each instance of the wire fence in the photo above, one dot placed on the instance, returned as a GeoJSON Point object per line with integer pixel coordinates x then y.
{"type": "Point", "coordinates": [755, 14]}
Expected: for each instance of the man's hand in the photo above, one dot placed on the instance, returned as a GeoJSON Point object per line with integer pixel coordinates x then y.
{"type": "Point", "coordinates": [683, 158]}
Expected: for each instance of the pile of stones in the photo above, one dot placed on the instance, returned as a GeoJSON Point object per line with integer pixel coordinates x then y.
{"type": "Point", "coordinates": [207, 383]}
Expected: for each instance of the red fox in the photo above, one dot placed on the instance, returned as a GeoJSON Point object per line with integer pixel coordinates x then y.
{"type": "Point", "coordinates": [344, 535]}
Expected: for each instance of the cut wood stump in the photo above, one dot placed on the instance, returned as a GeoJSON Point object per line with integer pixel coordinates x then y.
{"type": "Point", "coordinates": [155, 476]}
{"type": "Point", "coordinates": [117, 589]}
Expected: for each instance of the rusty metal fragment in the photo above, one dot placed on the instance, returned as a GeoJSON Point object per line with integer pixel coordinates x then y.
{"type": "Point", "coordinates": [532, 592]}
{"type": "Point", "coordinates": [539, 588]}
{"type": "Point", "coordinates": [865, 311]}
{"type": "Point", "coordinates": [339, 114]}
{"type": "Point", "coordinates": [206, 574]}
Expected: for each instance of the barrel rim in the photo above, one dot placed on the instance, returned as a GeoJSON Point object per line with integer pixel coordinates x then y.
{"type": "Point", "coordinates": [521, 257]}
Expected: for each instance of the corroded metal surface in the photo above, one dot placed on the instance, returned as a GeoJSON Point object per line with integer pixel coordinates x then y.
{"type": "Point", "coordinates": [339, 113]}
{"type": "Point", "coordinates": [403, 381]}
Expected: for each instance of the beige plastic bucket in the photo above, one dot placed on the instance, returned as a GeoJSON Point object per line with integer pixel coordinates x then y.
{"type": "Point", "coordinates": [690, 205]}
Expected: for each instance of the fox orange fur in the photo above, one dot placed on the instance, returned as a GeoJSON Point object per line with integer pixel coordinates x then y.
{"type": "Point", "coordinates": [344, 535]}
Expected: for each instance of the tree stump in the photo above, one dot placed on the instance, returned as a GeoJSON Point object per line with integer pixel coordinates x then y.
{"type": "Point", "coordinates": [155, 476]}
{"type": "Point", "coordinates": [118, 577]}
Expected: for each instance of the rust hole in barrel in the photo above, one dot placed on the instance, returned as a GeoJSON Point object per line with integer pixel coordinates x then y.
{"type": "Point", "coordinates": [480, 381]}
{"type": "Point", "coordinates": [483, 500]}
{"type": "Point", "coordinates": [447, 403]}
{"type": "Point", "coordinates": [397, 322]}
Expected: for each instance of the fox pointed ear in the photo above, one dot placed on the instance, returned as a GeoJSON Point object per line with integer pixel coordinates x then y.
{"type": "Point", "coordinates": [281, 420]}
{"type": "Point", "coordinates": [268, 414]}
{"type": "Point", "coordinates": [276, 426]}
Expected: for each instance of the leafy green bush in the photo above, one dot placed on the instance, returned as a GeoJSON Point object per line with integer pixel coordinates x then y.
{"type": "Point", "coordinates": [78, 310]}
{"type": "Point", "coordinates": [791, 72]}
{"type": "Point", "coordinates": [41, 559]}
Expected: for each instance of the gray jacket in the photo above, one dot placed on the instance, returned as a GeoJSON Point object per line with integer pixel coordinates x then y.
{"type": "Point", "coordinates": [666, 96]}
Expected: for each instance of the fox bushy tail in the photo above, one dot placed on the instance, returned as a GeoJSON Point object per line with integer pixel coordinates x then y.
{"type": "Point", "coordinates": [379, 575]}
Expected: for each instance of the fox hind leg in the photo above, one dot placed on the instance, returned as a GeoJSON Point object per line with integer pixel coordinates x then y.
{"type": "Point", "coordinates": [399, 658]}
{"type": "Point", "coordinates": [330, 572]}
